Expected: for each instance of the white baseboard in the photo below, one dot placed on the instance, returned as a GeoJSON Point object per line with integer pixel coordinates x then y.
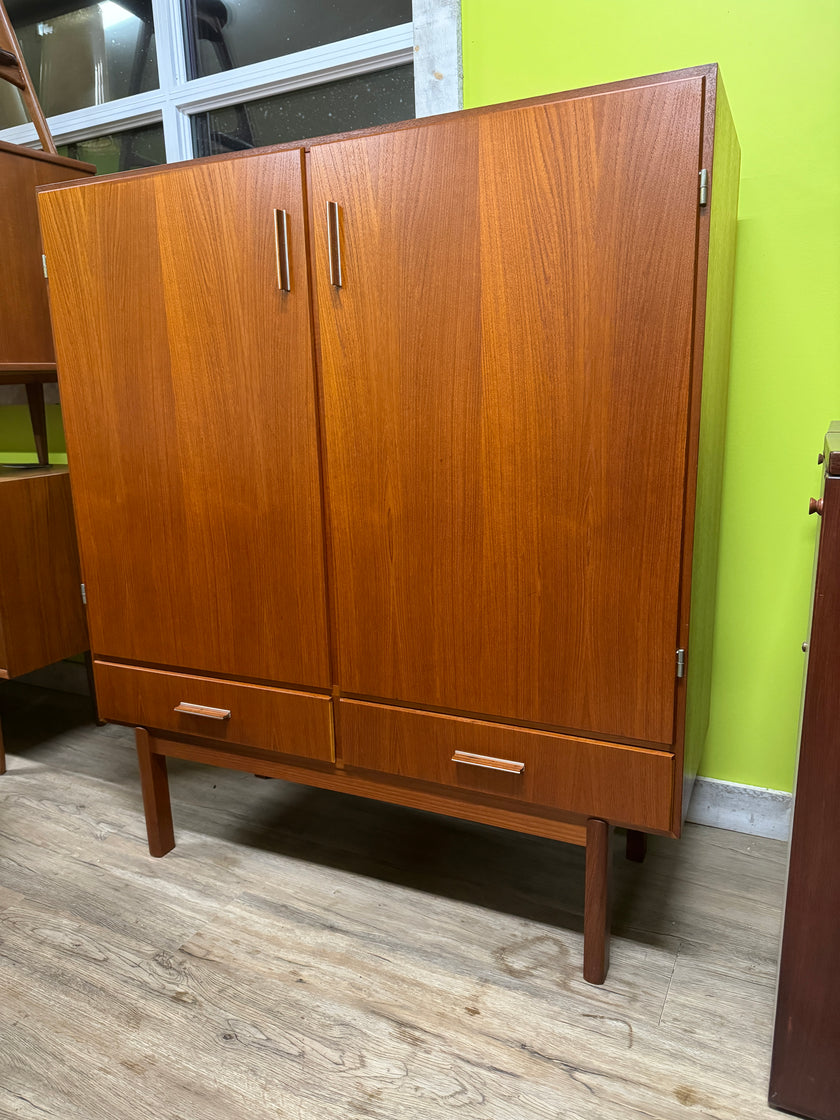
{"type": "Point", "coordinates": [750, 809]}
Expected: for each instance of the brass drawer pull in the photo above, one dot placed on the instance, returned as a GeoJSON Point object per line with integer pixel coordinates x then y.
{"type": "Point", "coordinates": [201, 710]}
{"type": "Point", "coordinates": [488, 763]}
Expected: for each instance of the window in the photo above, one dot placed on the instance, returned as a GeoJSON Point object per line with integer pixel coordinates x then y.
{"type": "Point", "coordinates": [131, 83]}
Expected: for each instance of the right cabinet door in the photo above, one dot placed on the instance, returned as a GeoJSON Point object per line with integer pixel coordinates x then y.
{"type": "Point", "coordinates": [506, 370]}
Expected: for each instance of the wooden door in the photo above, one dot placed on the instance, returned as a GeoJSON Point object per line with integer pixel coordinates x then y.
{"type": "Point", "coordinates": [189, 406]}
{"type": "Point", "coordinates": [506, 378]}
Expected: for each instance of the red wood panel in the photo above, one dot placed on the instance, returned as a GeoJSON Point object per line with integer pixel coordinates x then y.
{"type": "Point", "coordinates": [506, 376]}
{"type": "Point", "coordinates": [189, 406]}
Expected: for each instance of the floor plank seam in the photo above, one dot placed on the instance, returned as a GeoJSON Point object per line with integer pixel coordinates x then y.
{"type": "Point", "coordinates": [670, 982]}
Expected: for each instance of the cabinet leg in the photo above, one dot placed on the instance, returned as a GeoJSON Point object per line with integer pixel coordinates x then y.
{"type": "Point", "coordinates": [596, 911]}
{"type": "Point", "coordinates": [92, 688]}
{"type": "Point", "coordinates": [636, 845]}
{"type": "Point", "coordinates": [2, 753]}
{"type": "Point", "coordinates": [38, 419]}
{"type": "Point", "coordinates": [155, 784]}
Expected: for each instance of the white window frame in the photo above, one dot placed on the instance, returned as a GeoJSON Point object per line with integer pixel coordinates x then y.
{"type": "Point", "coordinates": [432, 42]}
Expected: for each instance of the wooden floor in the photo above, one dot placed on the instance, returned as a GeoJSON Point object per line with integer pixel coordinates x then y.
{"type": "Point", "coordinates": [306, 955]}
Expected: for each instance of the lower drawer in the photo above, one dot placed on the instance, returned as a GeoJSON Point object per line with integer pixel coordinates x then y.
{"type": "Point", "coordinates": [272, 719]}
{"type": "Point", "coordinates": [624, 785]}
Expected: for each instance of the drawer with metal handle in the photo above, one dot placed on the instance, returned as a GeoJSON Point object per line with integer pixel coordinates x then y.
{"type": "Point", "coordinates": [626, 785]}
{"type": "Point", "coordinates": [249, 715]}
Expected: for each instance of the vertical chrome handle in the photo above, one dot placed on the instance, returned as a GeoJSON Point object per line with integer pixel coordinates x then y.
{"type": "Point", "coordinates": [334, 244]}
{"type": "Point", "coordinates": [281, 249]}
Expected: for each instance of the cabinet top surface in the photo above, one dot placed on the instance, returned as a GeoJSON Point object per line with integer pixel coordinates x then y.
{"type": "Point", "coordinates": [24, 152]}
{"type": "Point", "coordinates": [709, 71]}
{"type": "Point", "coordinates": [831, 450]}
{"type": "Point", "coordinates": [20, 474]}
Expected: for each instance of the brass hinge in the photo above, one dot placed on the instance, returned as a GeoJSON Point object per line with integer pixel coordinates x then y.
{"type": "Point", "coordinates": [84, 594]}
{"type": "Point", "coordinates": [680, 663]}
{"type": "Point", "coordinates": [44, 263]}
{"type": "Point", "coordinates": [704, 187]}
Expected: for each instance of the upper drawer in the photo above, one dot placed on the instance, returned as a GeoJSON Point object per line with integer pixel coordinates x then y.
{"type": "Point", "coordinates": [272, 719]}
{"type": "Point", "coordinates": [625, 785]}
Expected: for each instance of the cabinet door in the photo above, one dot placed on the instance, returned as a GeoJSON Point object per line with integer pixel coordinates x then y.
{"type": "Point", "coordinates": [189, 404]}
{"type": "Point", "coordinates": [506, 376]}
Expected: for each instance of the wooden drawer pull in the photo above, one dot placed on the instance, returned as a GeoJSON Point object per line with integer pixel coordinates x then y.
{"type": "Point", "coordinates": [201, 710]}
{"type": "Point", "coordinates": [488, 763]}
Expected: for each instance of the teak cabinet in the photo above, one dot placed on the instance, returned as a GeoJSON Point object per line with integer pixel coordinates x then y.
{"type": "Point", "coordinates": [26, 345]}
{"type": "Point", "coordinates": [396, 456]}
{"type": "Point", "coordinates": [41, 615]}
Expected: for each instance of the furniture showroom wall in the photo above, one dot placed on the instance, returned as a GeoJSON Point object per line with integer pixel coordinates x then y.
{"type": "Point", "coordinates": [778, 61]}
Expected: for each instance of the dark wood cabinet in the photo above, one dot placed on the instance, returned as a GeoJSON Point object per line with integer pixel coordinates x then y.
{"type": "Point", "coordinates": [805, 1072]}
{"type": "Point", "coordinates": [423, 423]}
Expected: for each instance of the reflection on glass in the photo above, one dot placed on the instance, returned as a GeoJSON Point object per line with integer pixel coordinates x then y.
{"type": "Point", "coordinates": [359, 102]}
{"type": "Point", "coordinates": [83, 54]}
{"type": "Point", "coordinates": [223, 34]}
{"type": "Point", "coordinates": [120, 151]}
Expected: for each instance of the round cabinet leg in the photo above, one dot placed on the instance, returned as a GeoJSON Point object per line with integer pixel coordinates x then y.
{"type": "Point", "coordinates": [596, 912]}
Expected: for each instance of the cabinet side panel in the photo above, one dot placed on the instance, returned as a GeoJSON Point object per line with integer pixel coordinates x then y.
{"type": "Point", "coordinates": [43, 617]}
{"type": "Point", "coordinates": [25, 334]}
{"type": "Point", "coordinates": [805, 1073]}
{"type": "Point", "coordinates": [715, 386]}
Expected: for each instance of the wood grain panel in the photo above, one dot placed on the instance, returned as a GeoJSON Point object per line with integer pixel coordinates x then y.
{"type": "Point", "coordinates": [41, 613]}
{"type": "Point", "coordinates": [272, 719]}
{"type": "Point", "coordinates": [805, 1074]}
{"type": "Point", "coordinates": [506, 377]}
{"type": "Point", "coordinates": [624, 785]}
{"type": "Point", "coordinates": [189, 408]}
{"type": "Point", "coordinates": [25, 334]}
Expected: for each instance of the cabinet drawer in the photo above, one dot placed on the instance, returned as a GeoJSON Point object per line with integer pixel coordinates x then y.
{"type": "Point", "coordinates": [625, 785]}
{"type": "Point", "coordinates": [272, 719]}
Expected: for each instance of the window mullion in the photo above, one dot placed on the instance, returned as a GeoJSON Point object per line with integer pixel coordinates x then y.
{"type": "Point", "coordinates": [172, 70]}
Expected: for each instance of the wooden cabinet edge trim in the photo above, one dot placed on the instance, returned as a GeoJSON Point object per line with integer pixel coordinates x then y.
{"type": "Point", "coordinates": [212, 678]}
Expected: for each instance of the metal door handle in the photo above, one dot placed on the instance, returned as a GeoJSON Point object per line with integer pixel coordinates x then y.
{"type": "Point", "coordinates": [202, 710]}
{"type": "Point", "coordinates": [334, 244]}
{"type": "Point", "coordinates": [281, 248]}
{"type": "Point", "coordinates": [487, 763]}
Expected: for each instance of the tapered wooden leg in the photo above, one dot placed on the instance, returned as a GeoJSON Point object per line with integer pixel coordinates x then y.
{"type": "Point", "coordinates": [92, 687]}
{"type": "Point", "coordinates": [596, 910]}
{"type": "Point", "coordinates": [155, 784]}
{"type": "Point", "coordinates": [636, 845]}
{"type": "Point", "coordinates": [2, 754]}
{"type": "Point", "coordinates": [38, 419]}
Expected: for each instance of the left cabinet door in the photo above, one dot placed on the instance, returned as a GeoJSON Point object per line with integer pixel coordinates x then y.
{"type": "Point", "coordinates": [189, 405]}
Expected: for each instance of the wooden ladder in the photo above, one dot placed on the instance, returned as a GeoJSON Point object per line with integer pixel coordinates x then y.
{"type": "Point", "coordinates": [13, 70]}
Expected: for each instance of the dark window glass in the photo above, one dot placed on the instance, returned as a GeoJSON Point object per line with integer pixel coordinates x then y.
{"type": "Point", "coordinates": [359, 102]}
{"type": "Point", "coordinates": [223, 34]}
{"type": "Point", "coordinates": [120, 151]}
{"type": "Point", "coordinates": [82, 54]}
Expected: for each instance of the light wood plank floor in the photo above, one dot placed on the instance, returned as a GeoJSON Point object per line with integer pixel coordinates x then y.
{"type": "Point", "coordinates": [306, 955]}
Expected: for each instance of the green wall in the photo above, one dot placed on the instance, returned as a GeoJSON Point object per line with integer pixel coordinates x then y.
{"type": "Point", "coordinates": [780, 63]}
{"type": "Point", "coordinates": [17, 444]}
